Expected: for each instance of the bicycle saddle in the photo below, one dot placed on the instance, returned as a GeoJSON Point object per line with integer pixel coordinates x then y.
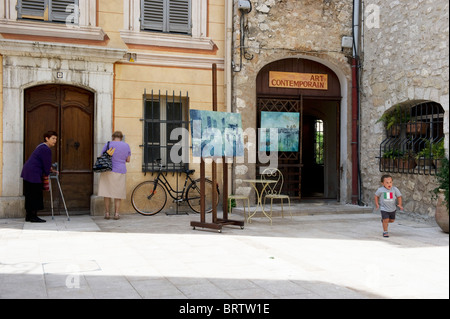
{"type": "Point", "coordinates": [190, 171]}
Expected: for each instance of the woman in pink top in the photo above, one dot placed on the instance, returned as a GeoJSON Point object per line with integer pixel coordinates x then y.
{"type": "Point", "coordinates": [113, 183]}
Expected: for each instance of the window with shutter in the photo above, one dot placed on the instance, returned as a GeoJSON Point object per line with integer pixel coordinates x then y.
{"type": "Point", "coordinates": [48, 10]}
{"type": "Point", "coordinates": [170, 16]}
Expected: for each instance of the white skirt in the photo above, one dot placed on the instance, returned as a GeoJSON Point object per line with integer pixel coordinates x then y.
{"type": "Point", "coordinates": [112, 185]}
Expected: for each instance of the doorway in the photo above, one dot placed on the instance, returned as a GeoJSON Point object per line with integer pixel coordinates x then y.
{"type": "Point", "coordinates": [321, 145]}
{"type": "Point", "coordinates": [313, 171]}
{"type": "Point", "coordinates": [69, 111]}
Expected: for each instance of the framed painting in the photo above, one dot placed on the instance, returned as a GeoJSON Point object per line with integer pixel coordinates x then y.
{"type": "Point", "coordinates": [279, 132]}
{"type": "Point", "coordinates": [216, 134]}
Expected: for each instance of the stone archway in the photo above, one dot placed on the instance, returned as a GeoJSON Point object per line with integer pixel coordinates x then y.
{"type": "Point", "coordinates": [302, 167]}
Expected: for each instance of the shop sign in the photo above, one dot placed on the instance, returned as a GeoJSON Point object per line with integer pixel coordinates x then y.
{"type": "Point", "coordinates": [291, 80]}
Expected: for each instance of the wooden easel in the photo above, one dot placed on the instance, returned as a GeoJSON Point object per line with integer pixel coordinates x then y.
{"type": "Point", "coordinates": [217, 223]}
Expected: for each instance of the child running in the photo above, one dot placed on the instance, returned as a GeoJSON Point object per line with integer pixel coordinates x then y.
{"type": "Point", "coordinates": [385, 198]}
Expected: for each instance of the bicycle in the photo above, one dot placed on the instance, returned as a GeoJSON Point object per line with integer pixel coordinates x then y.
{"type": "Point", "coordinates": [150, 197]}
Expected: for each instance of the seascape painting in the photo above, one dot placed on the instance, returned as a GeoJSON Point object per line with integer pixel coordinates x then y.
{"type": "Point", "coordinates": [216, 134]}
{"type": "Point", "coordinates": [285, 125]}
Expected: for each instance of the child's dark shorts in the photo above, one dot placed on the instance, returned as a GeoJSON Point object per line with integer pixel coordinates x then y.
{"type": "Point", "coordinates": [388, 215]}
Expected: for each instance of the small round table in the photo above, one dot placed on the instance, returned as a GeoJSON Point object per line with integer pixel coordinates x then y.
{"type": "Point", "coordinates": [259, 196]}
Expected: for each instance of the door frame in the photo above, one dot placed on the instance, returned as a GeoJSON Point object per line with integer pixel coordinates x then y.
{"type": "Point", "coordinates": [59, 102]}
{"type": "Point", "coordinates": [343, 173]}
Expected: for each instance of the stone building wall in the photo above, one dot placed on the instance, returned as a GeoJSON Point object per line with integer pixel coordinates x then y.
{"type": "Point", "coordinates": [405, 58]}
{"type": "Point", "coordinates": [280, 29]}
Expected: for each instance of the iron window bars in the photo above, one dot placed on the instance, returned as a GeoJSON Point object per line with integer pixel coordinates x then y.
{"type": "Point", "coordinates": [414, 142]}
{"type": "Point", "coordinates": [163, 114]}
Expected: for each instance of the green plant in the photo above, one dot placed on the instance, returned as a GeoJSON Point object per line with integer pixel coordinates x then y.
{"type": "Point", "coordinates": [443, 180]}
{"type": "Point", "coordinates": [393, 154]}
{"type": "Point", "coordinates": [395, 116]}
{"type": "Point", "coordinates": [427, 151]}
{"type": "Point", "coordinates": [438, 149]}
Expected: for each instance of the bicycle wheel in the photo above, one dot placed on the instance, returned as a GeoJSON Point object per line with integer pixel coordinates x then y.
{"type": "Point", "coordinates": [149, 198]}
{"type": "Point", "coordinates": [193, 196]}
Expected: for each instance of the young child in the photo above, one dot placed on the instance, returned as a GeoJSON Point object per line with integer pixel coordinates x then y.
{"type": "Point", "coordinates": [385, 198]}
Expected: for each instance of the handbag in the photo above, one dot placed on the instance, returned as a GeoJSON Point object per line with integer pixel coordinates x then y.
{"type": "Point", "coordinates": [103, 162]}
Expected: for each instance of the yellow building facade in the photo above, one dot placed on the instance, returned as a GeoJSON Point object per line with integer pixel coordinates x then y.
{"type": "Point", "coordinates": [89, 69]}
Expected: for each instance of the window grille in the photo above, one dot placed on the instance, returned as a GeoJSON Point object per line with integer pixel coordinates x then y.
{"type": "Point", "coordinates": [319, 143]}
{"type": "Point", "coordinates": [48, 10]}
{"type": "Point", "coordinates": [171, 16]}
{"type": "Point", "coordinates": [414, 142]}
{"type": "Point", "coordinates": [162, 115]}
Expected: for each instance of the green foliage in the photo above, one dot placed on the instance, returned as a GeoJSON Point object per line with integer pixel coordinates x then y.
{"type": "Point", "coordinates": [443, 179]}
{"type": "Point", "coordinates": [393, 154]}
{"type": "Point", "coordinates": [395, 116]}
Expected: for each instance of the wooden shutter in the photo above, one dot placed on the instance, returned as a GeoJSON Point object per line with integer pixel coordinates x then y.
{"type": "Point", "coordinates": [152, 15]}
{"type": "Point", "coordinates": [32, 9]}
{"type": "Point", "coordinates": [58, 9]}
{"type": "Point", "coordinates": [180, 16]}
{"type": "Point", "coordinates": [47, 10]}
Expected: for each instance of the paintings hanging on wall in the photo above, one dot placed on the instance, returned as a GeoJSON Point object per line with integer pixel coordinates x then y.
{"type": "Point", "coordinates": [216, 134]}
{"type": "Point", "coordinates": [285, 126]}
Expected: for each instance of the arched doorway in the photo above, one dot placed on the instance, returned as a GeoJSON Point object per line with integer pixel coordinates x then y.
{"type": "Point", "coordinates": [312, 89]}
{"type": "Point", "coordinates": [69, 111]}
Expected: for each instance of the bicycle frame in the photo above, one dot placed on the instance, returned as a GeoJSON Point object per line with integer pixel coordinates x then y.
{"type": "Point", "coordinates": [179, 194]}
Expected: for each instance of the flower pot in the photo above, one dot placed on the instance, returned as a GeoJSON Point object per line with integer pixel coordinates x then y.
{"type": "Point", "coordinates": [407, 164]}
{"type": "Point", "coordinates": [395, 130]}
{"type": "Point", "coordinates": [425, 162]}
{"type": "Point", "coordinates": [442, 212]}
{"type": "Point", "coordinates": [417, 128]}
{"type": "Point", "coordinates": [388, 163]}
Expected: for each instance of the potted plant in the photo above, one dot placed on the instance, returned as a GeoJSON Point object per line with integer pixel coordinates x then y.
{"type": "Point", "coordinates": [390, 159]}
{"type": "Point", "coordinates": [393, 120]}
{"type": "Point", "coordinates": [407, 161]}
{"type": "Point", "coordinates": [425, 156]}
{"type": "Point", "coordinates": [438, 151]}
{"type": "Point", "coordinates": [442, 192]}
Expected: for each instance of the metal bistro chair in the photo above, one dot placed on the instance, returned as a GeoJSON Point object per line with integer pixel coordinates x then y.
{"type": "Point", "coordinates": [273, 191]}
{"type": "Point", "coordinates": [239, 197]}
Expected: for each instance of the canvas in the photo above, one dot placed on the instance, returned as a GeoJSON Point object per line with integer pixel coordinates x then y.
{"type": "Point", "coordinates": [216, 134]}
{"type": "Point", "coordinates": [282, 124]}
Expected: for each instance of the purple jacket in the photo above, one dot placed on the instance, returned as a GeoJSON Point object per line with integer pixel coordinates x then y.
{"type": "Point", "coordinates": [39, 163]}
{"type": "Point", "coordinates": [119, 158]}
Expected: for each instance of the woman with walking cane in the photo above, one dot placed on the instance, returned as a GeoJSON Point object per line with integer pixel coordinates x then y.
{"type": "Point", "coordinates": [36, 169]}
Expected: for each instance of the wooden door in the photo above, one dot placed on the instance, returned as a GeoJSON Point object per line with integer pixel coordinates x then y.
{"type": "Point", "coordinates": [69, 111]}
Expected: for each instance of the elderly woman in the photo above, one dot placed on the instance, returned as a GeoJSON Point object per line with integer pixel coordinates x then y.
{"type": "Point", "coordinates": [113, 183]}
{"type": "Point", "coordinates": [36, 167]}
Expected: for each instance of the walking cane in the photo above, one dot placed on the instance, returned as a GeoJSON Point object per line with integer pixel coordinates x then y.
{"type": "Point", "coordinates": [55, 176]}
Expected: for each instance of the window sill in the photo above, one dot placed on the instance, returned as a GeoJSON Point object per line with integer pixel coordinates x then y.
{"type": "Point", "coordinates": [51, 30]}
{"type": "Point", "coordinates": [166, 40]}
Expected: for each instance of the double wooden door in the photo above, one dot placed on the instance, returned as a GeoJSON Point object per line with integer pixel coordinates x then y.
{"type": "Point", "coordinates": [69, 111]}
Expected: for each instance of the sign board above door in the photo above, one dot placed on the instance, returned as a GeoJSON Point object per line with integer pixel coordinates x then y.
{"type": "Point", "coordinates": [291, 80]}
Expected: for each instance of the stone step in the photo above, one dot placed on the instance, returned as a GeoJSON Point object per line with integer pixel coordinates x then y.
{"type": "Point", "coordinates": [306, 209]}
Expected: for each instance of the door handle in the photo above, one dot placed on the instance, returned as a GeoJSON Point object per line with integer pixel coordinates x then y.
{"type": "Point", "coordinates": [76, 145]}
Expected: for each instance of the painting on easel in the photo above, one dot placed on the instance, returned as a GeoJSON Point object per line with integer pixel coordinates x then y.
{"type": "Point", "coordinates": [216, 134]}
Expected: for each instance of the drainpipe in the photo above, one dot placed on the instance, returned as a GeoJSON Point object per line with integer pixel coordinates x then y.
{"type": "Point", "coordinates": [228, 74]}
{"type": "Point", "coordinates": [356, 194]}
